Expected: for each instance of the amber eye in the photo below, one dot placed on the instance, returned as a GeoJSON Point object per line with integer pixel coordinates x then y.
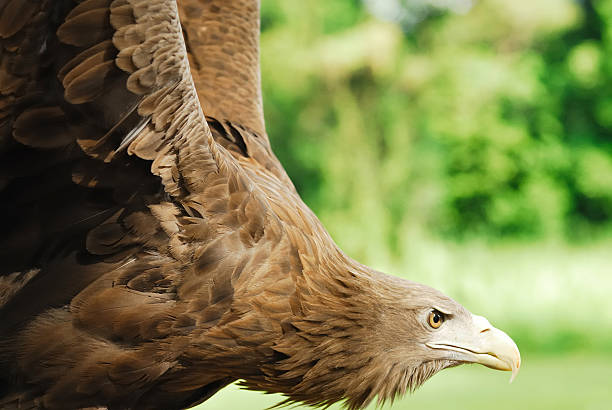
{"type": "Point", "coordinates": [435, 319]}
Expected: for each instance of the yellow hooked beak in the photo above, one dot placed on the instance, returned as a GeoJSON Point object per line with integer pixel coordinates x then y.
{"type": "Point", "coordinates": [481, 343]}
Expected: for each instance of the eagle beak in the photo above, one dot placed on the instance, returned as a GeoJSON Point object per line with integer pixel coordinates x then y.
{"type": "Point", "coordinates": [484, 344]}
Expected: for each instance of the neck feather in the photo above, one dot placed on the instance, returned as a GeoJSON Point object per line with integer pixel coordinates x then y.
{"type": "Point", "coordinates": [329, 351]}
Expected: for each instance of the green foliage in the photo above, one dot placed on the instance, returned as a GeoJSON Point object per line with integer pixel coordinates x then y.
{"type": "Point", "coordinates": [495, 124]}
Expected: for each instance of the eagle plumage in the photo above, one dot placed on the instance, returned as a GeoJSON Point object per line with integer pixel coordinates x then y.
{"type": "Point", "coordinates": [153, 249]}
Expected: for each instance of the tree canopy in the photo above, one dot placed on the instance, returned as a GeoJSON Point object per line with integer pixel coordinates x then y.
{"type": "Point", "coordinates": [493, 123]}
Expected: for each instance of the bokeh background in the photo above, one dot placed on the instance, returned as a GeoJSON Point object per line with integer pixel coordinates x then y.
{"type": "Point", "coordinates": [465, 144]}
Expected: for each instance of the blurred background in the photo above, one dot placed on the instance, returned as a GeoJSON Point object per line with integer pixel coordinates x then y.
{"type": "Point", "coordinates": [465, 144]}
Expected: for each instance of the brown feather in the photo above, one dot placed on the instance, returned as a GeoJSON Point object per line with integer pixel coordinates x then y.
{"type": "Point", "coordinates": [43, 127]}
{"type": "Point", "coordinates": [15, 15]}
{"type": "Point", "coordinates": [85, 27]}
{"type": "Point", "coordinates": [153, 249]}
{"type": "Point", "coordinates": [224, 55]}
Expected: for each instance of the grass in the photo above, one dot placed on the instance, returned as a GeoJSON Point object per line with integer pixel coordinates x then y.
{"type": "Point", "coordinates": [572, 382]}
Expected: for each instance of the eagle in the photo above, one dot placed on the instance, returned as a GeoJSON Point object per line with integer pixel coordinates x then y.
{"type": "Point", "coordinates": [153, 250]}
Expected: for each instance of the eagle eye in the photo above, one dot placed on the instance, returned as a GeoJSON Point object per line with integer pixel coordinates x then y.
{"type": "Point", "coordinates": [435, 319]}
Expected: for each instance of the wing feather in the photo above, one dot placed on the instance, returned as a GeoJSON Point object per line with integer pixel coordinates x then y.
{"type": "Point", "coordinates": [128, 228]}
{"type": "Point", "coordinates": [98, 109]}
{"type": "Point", "coordinates": [109, 177]}
{"type": "Point", "coordinates": [222, 39]}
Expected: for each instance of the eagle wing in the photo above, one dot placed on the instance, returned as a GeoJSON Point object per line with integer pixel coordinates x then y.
{"type": "Point", "coordinates": [126, 224]}
{"type": "Point", "coordinates": [222, 39]}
